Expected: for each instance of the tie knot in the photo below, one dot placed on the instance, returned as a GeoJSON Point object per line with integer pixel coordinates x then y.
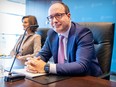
{"type": "Point", "coordinates": [61, 37]}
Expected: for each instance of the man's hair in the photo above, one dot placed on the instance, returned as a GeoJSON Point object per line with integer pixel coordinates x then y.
{"type": "Point", "coordinates": [65, 6]}
{"type": "Point", "coordinates": [32, 21]}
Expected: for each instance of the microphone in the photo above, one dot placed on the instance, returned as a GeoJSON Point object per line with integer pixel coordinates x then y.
{"type": "Point", "coordinates": [14, 76]}
{"type": "Point", "coordinates": [34, 26]}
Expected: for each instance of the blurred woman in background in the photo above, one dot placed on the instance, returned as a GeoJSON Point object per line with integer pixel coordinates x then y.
{"type": "Point", "coordinates": [31, 43]}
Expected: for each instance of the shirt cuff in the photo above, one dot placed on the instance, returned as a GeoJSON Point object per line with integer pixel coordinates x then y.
{"type": "Point", "coordinates": [53, 68]}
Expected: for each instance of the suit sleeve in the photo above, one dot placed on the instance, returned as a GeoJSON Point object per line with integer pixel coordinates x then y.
{"type": "Point", "coordinates": [45, 52]}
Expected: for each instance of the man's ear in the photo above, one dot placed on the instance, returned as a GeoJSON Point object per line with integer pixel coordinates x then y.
{"type": "Point", "coordinates": [69, 15]}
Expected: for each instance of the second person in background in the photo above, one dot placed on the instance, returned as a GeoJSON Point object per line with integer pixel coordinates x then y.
{"type": "Point", "coordinates": [31, 43]}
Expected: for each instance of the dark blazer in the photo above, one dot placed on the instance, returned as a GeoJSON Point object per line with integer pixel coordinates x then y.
{"type": "Point", "coordinates": [80, 52]}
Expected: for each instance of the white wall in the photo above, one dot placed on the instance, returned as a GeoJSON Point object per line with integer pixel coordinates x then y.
{"type": "Point", "coordinates": [10, 24]}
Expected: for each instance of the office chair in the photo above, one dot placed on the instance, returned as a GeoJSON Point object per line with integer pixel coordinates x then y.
{"type": "Point", "coordinates": [103, 34]}
{"type": "Point", "coordinates": [43, 33]}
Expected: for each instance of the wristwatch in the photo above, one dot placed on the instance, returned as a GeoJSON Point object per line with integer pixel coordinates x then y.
{"type": "Point", "coordinates": [47, 68]}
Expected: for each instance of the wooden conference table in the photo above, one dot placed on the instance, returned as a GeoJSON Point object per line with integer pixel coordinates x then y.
{"type": "Point", "coordinates": [85, 81]}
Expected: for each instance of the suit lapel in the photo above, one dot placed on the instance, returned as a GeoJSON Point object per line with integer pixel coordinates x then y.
{"type": "Point", "coordinates": [55, 48]}
{"type": "Point", "coordinates": [70, 42]}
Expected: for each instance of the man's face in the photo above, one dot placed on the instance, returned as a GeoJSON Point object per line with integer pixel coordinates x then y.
{"type": "Point", "coordinates": [59, 20]}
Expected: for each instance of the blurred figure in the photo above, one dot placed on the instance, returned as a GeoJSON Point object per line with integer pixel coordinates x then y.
{"type": "Point", "coordinates": [31, 43]}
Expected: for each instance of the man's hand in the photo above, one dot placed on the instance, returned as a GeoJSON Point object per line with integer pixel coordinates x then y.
{"type": "Point", "coordinates": [35, 65]}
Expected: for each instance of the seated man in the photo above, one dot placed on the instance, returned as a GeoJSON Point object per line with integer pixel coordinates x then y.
{"type": "Point", "coordinates": [70, 45]}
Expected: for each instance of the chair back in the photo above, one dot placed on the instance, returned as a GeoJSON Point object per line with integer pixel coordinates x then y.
{"type": "Point", "coordinates": [103, 34]}
{"type": "Point", "coordinates": [43, 33]}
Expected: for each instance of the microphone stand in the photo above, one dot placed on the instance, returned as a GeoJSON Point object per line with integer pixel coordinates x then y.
{"type": "Point", "coordinates": [13, 76]}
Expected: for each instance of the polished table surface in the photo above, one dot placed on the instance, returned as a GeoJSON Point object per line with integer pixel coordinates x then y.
{"type": "Point", "coordinates": [85, 81]}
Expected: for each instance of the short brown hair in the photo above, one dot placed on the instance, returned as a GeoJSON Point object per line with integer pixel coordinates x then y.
{"type": "Point", "coordinates": [32, 21]}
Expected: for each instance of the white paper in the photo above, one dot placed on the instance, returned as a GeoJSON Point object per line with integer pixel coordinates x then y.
{"type": "Point", "coordinates": [27, 74]}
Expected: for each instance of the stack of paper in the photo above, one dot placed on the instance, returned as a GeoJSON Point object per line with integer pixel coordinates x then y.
{"type": "Point", "coordinates": [27, 74]}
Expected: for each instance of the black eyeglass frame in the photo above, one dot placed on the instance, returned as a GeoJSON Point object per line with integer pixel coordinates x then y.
{"type": "Point", "coordinates": [57, 16]}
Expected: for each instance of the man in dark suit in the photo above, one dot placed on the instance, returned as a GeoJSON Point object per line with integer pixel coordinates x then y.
{"type": "Point", "coordinates": [78, 47]}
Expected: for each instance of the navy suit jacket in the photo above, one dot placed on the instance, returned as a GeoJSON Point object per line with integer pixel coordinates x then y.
{"type": "Point", "coordinates": [80, 52]}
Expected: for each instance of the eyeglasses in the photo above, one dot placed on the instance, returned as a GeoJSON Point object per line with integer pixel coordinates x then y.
{"type": "Point", "coordinates": [57, 16]}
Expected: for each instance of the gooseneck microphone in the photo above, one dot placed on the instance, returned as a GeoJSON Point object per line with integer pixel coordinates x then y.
{"type": "Point", "coordinates": [34, 26]}
{"type": "Point", "coordinates": [13, 76]}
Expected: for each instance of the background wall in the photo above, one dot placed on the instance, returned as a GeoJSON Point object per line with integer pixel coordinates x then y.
{"type": "Point", "coordinates": [10, 24]}
{"type": "Point", "coordinates": [81, 11]}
